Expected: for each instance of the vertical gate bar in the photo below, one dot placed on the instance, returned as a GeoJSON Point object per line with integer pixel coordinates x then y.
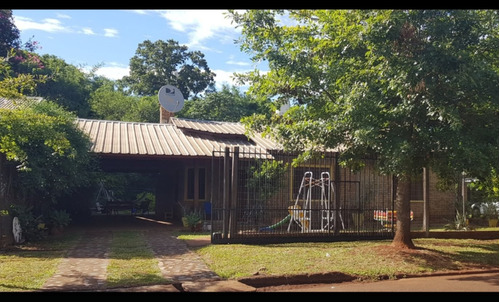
{"type": "Point", "coordinates": [426, 213]}
{"type": "Point", "coordinates": [337, 193]}
{"type": "Point", "coordinates": [225, 198]}
{"type": "Point", "coordinates": [233, 201]}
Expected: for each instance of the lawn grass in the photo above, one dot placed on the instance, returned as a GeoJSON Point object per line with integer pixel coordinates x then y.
{"type": "Point", "coordinates": [26, 267]}
{"type": "Point", "coordinates": [368, 259]}
{"type": "Point", "coordinates": [132, 262]}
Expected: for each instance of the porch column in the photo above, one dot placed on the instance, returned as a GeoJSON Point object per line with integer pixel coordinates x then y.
{"type": "Point", "coordinates": [166, 195]}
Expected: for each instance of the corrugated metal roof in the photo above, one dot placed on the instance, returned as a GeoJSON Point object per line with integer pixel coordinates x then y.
{"type": "Point", "coordinates": [183, 137]}
{"type": "Point", "coordinates": [159, 139]}
{"type": "Point", "coordinates": [209, 126]}
{"type": "Point", "coordinates": [20, 103]}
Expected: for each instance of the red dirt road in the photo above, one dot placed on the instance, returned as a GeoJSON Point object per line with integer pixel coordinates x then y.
{"type": "Point", "coordinates": [487, 282]}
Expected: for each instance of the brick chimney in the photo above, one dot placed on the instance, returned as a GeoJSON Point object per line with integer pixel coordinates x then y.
{"type": "Point", "coordinates": [165, 115]}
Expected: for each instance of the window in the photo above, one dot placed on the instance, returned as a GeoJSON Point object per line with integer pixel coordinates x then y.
{"type": "Point", "coordinates": [201, 183]}
{"type": "Point", "coordinates": [196, 183]}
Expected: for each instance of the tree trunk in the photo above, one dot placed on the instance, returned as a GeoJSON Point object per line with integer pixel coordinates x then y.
{"type": "Point", "coordinates": [402, 238]}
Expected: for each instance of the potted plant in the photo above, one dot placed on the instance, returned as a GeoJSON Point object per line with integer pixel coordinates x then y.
{"type": "Point", "coordinates": [58, 220]}
{"type": "Point", "coordinates": [193, 221]}
{"type": "Point", "coordinates": [491, 213]}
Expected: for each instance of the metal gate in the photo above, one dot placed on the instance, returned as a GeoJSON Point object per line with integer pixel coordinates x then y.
{"type": "Point", "coordinates": [264, 196]}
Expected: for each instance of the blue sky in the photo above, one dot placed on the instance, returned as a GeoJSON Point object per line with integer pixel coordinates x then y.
{"type": "Point", "coordinates": [110, 37]}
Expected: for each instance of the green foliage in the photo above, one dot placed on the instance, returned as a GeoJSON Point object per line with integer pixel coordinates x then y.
{"type": "Point", "coordinates": [146, 201]}
{"type": "Point", "coordinates": [66, 85]}
{"type": "Point", "coordinates": [267, 177]}
{"type": "Point", "coordinates": [228, 105]}
{"type": "Point", "coordinates": [110, 103]}
{"type": "Point", "coordinates": [125, 186]}
{"type": "Point", "coordinates": [491, 210]}
{"type": "Point", "coordinates": [459, 224]}
{"type": "Point", "coordinates": [145, 109]}
{"type": "Point", "coordinates": [415, 88]}
{"type": "Point", "coordinates": [33, 226]}
{"type": "Point", "coordinates": [14, 84]}
{"type": "Point", "coordinates": [404, 85]}
{"type": "Point", "coordinates": [51, 153]}
{"type": "Point", "coordinates": [193, 218]}
{"type": "Point", "coordinates": [166, 62]}
{"type": "Point", "coordinates": [9, 33]}
{"type": "Point", "coordinates": [486, 189]}
{"type": "Point", "coordinates": [59, 218]}
{"type": "Point", "coordinates": [193, 221]}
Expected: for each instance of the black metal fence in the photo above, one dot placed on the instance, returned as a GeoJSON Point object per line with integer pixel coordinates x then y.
{"type": "Point", "coordinates": [262, 196]}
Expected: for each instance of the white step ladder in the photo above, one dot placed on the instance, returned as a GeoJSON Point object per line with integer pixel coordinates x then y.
{"type": "Point", "coordinates": [302, 215]}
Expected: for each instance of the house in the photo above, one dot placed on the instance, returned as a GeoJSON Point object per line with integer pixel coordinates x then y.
{"type": "Point", "coordinates": [180, 152]}
{"type": "Point", "coordinates": [194, 159]}
{"type": "Point", "coordinates": [214, 167]}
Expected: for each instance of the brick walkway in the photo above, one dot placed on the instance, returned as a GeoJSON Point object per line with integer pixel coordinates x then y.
{"type": "Point", "coordinates": [85, 267]}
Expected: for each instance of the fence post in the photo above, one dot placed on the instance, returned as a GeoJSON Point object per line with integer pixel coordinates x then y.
{"type": "Point", "coordinates": [234, 192]}
{"type": "Point", "coordinates": [426, 209]}
{"type": "Point", "coordinates": [336, 199]}
{"type": "Point", "coordinates": [225, 195]}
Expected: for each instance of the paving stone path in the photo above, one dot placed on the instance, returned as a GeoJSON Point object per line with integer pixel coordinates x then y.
{"type": "Point", "coordinates": [85, 267]}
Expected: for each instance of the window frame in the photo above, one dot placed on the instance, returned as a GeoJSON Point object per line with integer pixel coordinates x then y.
{"type": "Point", "coordinates": [197, 186]}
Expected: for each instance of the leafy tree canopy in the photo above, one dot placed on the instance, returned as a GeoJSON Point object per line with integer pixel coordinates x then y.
{"type": "Point", "coordinates": [229, 105]}
{"type": "Point", "coordinates": [49, 150]}
{"type": "Point", "coordinates": [109, 103]}
{"type": "Point", "coordinates": [9, 34]}
{"type": "Point", "coordinates": [159, 63]}
{"type": "Point", "coordinates": [66, 85]}
{"type": "Point", "coordinates": [416, 88]}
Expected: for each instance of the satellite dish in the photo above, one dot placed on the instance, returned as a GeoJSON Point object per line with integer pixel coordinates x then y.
{"type": "Point", "coordinates": [170, 98]}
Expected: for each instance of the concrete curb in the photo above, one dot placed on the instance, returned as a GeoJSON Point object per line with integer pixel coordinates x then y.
{"type": "Point", "coordinates": [337, 277]}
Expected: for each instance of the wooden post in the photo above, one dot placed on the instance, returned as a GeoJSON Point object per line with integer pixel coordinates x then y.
{"type": "Point", "coordinates": [234, 192]}
{"type": "Point", "coordinates": [426, 213]}
{"type": "Point", "coordinates": [337, 194]}
{"type": "Point", "coordinates": [225, 195]}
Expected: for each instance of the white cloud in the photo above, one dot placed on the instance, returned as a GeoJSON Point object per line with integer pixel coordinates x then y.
{"type": "Point", "coordinates": [55, 25]}
{"type": "Point", "coordinates": [239, 63]}
{"type": "Point", "coordinates": [48, 25]}
{"type": "Point", "coordinates": [110, 32]}
{"type": "Point", "coordinates": [140, 11]}
{"type": "Point", "coordinates": [63, 16]}
{"type": "Point", "coordinates": [88, 31]}
{"type": "Point", "coordinates": [223, 77]}
{"type": "Point", "coordinates": [112, 71]}
{"type": "Point", "coordinates": [198, 24]}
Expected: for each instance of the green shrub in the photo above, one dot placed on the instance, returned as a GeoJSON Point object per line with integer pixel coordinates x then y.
{"type": "Point", "coordinates": [33, 228]}
{"type": "Point", "coordinates": [59, 218]}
